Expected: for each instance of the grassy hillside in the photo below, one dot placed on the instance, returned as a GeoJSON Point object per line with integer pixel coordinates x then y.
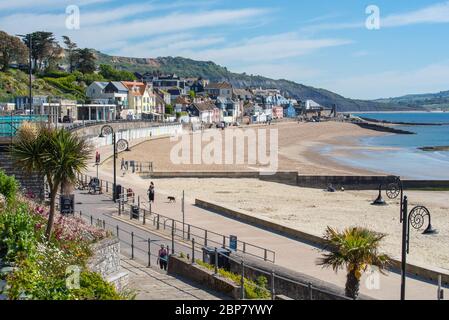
{"type": "Point", "coordinates": [56, 84]}
{"type": "Point", "coordinates": [207, 69]}
{"type": "Point", "coordinates": [429, 101]}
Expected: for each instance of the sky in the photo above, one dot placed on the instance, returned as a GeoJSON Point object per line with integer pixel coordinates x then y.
{"type": "Point", "coordinates": [359, 49]}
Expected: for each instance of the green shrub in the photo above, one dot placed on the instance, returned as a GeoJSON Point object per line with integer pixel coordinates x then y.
{"type": "Point", "coordinates": [18, 232]}
{"type": "Point", "coordinates": [8, 186]}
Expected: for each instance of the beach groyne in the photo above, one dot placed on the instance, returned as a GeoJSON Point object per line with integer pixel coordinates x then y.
{"type": "Point", "coordinates": [376, 127]}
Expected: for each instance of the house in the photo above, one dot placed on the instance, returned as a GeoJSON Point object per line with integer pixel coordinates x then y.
{"type": "Point", "coordinates": [278, 112]}
{"type": "Point", "coordinates": [242, 94]}
{"type": "Point", "coordinates": [96, 90]}
{"type": "Point", "coordinates": [174, 94]}
{"type": "Point", "coordinates": [141, 98]}
{"type": "Point", "coordinates": [117, 93]}
{"type": "Point", "coordinates": [23, 102]}
{"type": "Point", "coordinates": [169, 82]}
{"type": "Point", "coordinates": [181, 104]}
{"type": "Point", "coordinates": [206, 111]}
{"type": "Point", "coordinates": [311, 105]}
{"type": "Point", "coordinates": [232, 110]}
{"type": "Point", "coordinates": [290, 111]}
{"type": "Point", "coordinates": [221, 89]}
{"type": "Point", "coordinates": [164, 95]}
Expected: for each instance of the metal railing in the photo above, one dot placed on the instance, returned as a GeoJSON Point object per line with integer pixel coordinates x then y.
{"type": "Point", "coordinates": [147, 253]}
{"type": "Point", "coordinates": [136, 166]}
{"type": "Point", "coordinates": [186, 231]}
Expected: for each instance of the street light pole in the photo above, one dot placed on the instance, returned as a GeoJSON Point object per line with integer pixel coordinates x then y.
{"type": "Point", "coordinates": [115, 166]}
{"type": "Point", "coordinates": [404, 245]}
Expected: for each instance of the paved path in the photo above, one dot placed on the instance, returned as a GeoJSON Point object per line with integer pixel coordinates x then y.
{"type": "Point", "coordinates": [290, 253]}
{"type": "Point", "coordinates": [150, 284]}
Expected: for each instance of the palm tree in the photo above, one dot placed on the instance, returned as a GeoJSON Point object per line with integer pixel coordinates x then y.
{"type": "Point", "coordinates": [354, 249]}
{"type": "Point", "coordinates": [57, 154]}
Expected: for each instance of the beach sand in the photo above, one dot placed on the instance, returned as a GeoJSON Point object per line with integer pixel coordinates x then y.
{"type": "Point", "coordinates": [298, 150]}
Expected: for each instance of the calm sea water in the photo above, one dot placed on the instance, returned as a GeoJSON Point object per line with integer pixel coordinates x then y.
{"type": "Point", "coordinates": [408, 161]}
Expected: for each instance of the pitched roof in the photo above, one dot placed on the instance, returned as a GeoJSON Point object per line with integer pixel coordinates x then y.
{"type": "Point", "coordinates": [219, 85]}
{"type": "Point", "coordinates": [241, 92]}
{"type": "Point", "coordinates": [139, 85]}
{"type": "Point", "coordinates": [101, 84]}
{"type": "Point", "coordinates": [204, 106]}
{"type": "Point", "coordinates": [119, 86]}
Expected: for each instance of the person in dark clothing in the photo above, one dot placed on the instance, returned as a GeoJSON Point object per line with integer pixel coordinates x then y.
{"type": "Point", "coordinates": [151, 193]}
{"type": "Point", "coordinates": [162, 258]}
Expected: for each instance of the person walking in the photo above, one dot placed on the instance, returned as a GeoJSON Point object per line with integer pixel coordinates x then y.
{"type": "Point", "coordinates": [162, 258]}
{"type": "Point", "coordinates": [150, 193]}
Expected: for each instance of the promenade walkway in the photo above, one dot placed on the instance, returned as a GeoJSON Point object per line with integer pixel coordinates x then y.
{"type": "Point", "coordinates": [149, 282]}
{"type": "Point", "coordinates": [290, 253]}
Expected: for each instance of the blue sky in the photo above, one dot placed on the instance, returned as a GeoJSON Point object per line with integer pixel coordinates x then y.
{"type": "Point", "coordinates": [322, 43]}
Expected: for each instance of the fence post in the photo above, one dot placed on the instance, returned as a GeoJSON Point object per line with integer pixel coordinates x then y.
{"type": "Point", "coordinates": [216, 261]}
{"type": "Point", "coordinates": [173, 237]}
{"type": "Point", "coordinates": [144, 216]}
{"type": "Point", "coordinates": [224, 242]}
{"type": "Point", "coordinates": [265, 255]}
{"type": "Point", "coordinates": [149, 252]}
{"type": "Point", "coordinates": [188, 232]}
{"type": "Point", "coordinates": [158, 225]}
{"type": "Point", "coordinates": [244, 247]}
{"type": "Point", "coordinates": [118, 236]}
{"type": "Point", "coordinates": [242, 282]}
{"type": "Point", "coordinates": [107, 187]}
{"type": "Point", "coordinates": [119, 207]}
{"type": "Point", "coordinates": [273, 292]}
{"type": "Point", "coordinates": [81, 214]}
{"type": "Point", "coordinates": [104, 225]}
{"type": "Point", "coordinates": [193, 250]}
{"type": "Point", "coordinates": [91, 220]}
{"type": "Point", "coordinates": [310, 291]}
{"type": "Point", "coordinates": [138, 201]}
{"type": "Point", "coordinates": [132, 245]}
{"type": "Point", "coordinates": [205, 238]}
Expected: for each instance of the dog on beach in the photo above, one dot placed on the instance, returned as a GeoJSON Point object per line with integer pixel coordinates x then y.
{"type": "Point", "coordinates": [171, 199]}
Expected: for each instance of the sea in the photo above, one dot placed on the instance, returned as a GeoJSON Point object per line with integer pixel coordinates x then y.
{"type": "Point", "coordinates": [405, 159]}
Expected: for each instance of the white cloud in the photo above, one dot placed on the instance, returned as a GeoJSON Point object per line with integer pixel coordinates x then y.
{"type": "Point", "coordinates": [268, 48]}
{"type": "Point", "coordinates": [438, 13]}
{"type": "Point", "coordinates": [47, 4]}
{"type": "Point", "coordinates": [430, 78]}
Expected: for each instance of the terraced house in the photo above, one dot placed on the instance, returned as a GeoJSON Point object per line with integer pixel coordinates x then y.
{"type": "Point", "coordinates": [141, 99]}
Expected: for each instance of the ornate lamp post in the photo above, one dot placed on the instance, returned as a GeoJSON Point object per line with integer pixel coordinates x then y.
{"type": "Point", "coordinates": [118, 146]}
{"type": "Point", "coordinates": [415, 219]}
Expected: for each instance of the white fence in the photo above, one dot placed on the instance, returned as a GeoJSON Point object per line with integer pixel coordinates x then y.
{"type": "Point", "coordinates": [138, 133]}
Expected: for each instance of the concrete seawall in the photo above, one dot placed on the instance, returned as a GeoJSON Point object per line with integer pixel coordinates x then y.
{"type": "Point", "coordinates": [425, 272]}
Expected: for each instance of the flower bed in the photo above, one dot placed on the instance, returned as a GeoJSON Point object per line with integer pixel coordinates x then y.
{"type": "Point", "coordinates": [35, 268]}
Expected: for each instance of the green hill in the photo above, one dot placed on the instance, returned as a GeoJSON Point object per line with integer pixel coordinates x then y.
{"type": "Point", "coordinates": [209, 70]}
{"type": "Point", "coordinates": [429, 101]}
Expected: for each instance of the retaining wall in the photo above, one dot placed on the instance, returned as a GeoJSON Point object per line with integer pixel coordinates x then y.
{"type": "Point", "coordinates": [106, 262]}
{"type": "Point", "coordinates": [183, 268]}
{"type": "Point", "coordinates": [33, 183]}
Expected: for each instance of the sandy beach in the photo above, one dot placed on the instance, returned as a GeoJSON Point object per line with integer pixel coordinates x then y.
{"type": "Point", "coordinates": [298, 150]}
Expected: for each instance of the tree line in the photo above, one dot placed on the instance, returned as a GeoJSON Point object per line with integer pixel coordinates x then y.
{"type": "Point", "coordinates": [47, 55]}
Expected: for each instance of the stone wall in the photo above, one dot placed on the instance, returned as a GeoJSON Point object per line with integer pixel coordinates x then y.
{"type": "Point", "coordinates": [106, 262]}
{"type": "Point", "coordinates": [185, 269]}
{"type": "Point", "coordinates": [33, 183]}
{"type": "Point", "coordinates": [321, 290]}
